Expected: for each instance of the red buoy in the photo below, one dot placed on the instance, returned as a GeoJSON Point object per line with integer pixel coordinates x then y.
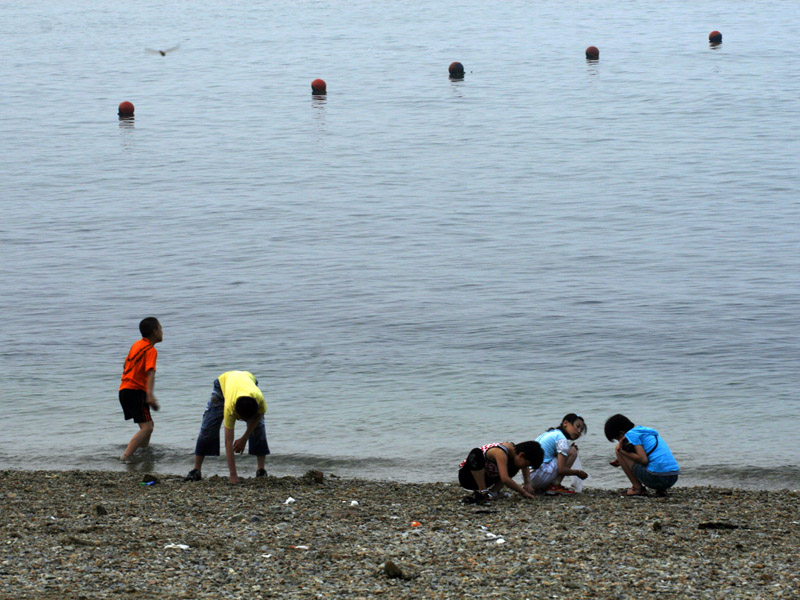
{"type": "Point", "coordinates": [592, 53]}
{"type": "Point", "coordinates": [318, 87]}
{"type": "Point", "coordinates": [715, 37]}
{"type": "Point", "coordinates": [456, 70]}
{"type": "Point", "coordinates": [125, 109]}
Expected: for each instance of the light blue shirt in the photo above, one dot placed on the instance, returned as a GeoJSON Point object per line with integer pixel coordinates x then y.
{"type": "Point", "coordinates": [553, 443]}
{"type": "Point", "coordinates": [661, 460]}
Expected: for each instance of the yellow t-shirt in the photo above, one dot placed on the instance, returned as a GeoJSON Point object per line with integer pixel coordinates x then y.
{"type": "Point", "coordinates": [236, 384]}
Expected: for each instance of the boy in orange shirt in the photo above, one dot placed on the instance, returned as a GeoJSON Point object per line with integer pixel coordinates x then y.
{"type": "Point", "coordinates": [138, 379]}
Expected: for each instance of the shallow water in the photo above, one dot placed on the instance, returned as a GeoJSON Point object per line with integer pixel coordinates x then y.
{"type": "Point", "coordinates": [412, 266]}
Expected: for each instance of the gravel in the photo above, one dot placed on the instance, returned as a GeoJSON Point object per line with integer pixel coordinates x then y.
{"type": "Point", "coordinates": [79, 534]}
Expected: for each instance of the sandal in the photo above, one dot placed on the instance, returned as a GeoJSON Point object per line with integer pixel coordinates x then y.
{"type": "Point", "coordinates": [475, 498]}
{"type": "Point", "coordinates": [635, 493]}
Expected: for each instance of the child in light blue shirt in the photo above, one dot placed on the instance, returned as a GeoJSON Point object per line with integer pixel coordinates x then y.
{"type": "Point", "coordinates": [560, 456]}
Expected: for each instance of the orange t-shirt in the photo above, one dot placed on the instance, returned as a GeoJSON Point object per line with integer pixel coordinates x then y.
{"type": "Point", "coordinates": [140, 360]}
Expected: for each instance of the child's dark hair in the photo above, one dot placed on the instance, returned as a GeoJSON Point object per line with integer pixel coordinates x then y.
{"type": "Point", "coordinates": [148, 326]}
{"type": "Point", "coordinates": [616, 424]}
{"type": "Point", "coordinates": [246, 407]}
{"type": "Point", "coordinates": [532, 451]}
{"type": "Point", "coordinates": [570, 418]}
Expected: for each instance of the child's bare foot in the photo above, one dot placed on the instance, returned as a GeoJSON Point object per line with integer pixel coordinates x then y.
{"type": "Point", "coordinates": [614, 463]}
{"type": "Point", "coordinates": [124, 459]}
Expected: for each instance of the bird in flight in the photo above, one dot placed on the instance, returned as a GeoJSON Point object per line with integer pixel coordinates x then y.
{"type": "Point", "coordinates": [163, 52]}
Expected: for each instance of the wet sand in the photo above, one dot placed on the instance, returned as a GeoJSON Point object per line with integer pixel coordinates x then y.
{"type": "Point", "coordinates": [77, 534]}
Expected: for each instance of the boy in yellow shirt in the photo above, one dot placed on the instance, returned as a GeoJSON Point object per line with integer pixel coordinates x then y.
{"type": "Point", "coordinates": [235, 397]}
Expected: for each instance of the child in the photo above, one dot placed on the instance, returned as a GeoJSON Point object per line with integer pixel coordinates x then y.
{"type": "Point", "coordinates": [643, 455]}
{"type": "Point", "coordinates": [235, 397]}
{"type": "Point", "coordinates": [560, 456]}
{"type": "Point", "coordinates": [488, 468]}
{"type": "Point", "coordinates": [138, 379]}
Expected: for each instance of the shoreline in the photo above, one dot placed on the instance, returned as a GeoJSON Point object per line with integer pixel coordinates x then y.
{"type": "Point", "coordinates": [750, 478]}
{"type": "Point", "coordinates": [98, 534]}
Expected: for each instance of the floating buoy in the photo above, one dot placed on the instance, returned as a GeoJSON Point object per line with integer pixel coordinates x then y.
{"type": "Point", "coordinates": [715, 37]}
{"type": "Point", "coordinates": [456, 70]}
{"type": "Point", "coordinates": [592, 53]}
{"type": "Point", "coordinates": [318, 86]}
{"type": "Point", "coordinates": [125, 109]}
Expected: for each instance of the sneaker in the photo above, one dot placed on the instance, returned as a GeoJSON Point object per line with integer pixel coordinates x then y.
{"type": "Point", "coordinates": [261, 473]}
{"type": "Point", "coordinates": [559, 490]}
{"type": "Point", "coordinates": [194, 475]}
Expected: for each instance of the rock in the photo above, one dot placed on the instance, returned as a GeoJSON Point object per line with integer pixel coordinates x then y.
{"type": "Point", "coordinates": [392, 570]}
{"type": "Point", "coordinates": [100, 510]}
{"type": "Point", "coordinates": [717, 525]}
{"type": "Point", "coordinates": [314, 477]}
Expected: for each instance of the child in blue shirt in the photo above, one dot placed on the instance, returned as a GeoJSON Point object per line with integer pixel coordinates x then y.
{"type": "Point", "coordinates": [643, 455]}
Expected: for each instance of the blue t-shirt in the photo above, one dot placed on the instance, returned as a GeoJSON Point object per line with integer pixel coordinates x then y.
{"type": "Point", "coordinates": [552, 443]}
{"type": "Point", "coordinates": [661, 460]}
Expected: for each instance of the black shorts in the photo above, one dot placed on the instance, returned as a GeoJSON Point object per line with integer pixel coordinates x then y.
{"type": "Point", "coordinates": [467, 479]}
{"type": "Point", "coordinates": [134, 405]}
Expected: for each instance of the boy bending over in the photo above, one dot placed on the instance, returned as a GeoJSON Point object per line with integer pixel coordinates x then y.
{"type": "Point", "coordinates": [235, 397]}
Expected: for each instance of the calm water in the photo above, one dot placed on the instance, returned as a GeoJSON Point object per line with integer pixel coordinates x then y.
{"type": "Point", "coordinates": [411, 266]}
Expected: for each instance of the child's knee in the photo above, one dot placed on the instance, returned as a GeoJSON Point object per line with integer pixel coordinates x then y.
{"type": "Point", "coordinates": [476, 461]}
{"type": "Point", "coordinates": [208, 436]}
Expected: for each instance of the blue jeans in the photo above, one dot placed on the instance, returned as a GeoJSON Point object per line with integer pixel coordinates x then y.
{"type": "Point", "coordinates": [656, 482]}
{"type": "Point", "coordinates": [208, 439]}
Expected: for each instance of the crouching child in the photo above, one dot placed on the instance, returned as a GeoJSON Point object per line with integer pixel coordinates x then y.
{"type": "Point", "coordinates": [643, 455]}
{"type": "Point", "coordinates": [488, 469]}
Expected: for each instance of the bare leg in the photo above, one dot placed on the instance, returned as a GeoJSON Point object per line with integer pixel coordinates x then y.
{"type": "Point", "coordinates": [479, 479]}
{"type": "Point", "coordinates": [570, 460]}
{"type": "Point", "coordinates": [139, 440]}
{"type": "Point", "coordinates": [198, 461]}
{"type": "Point", "coordinates": [260, 461]}
{"type": "Point", "coordinates": [146, 441]}
{"type": "Point", "coordinates": [627, 466]}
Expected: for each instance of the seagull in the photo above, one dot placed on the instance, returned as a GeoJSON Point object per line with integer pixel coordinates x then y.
{"type": "Point", "coordinates": [163, 52]}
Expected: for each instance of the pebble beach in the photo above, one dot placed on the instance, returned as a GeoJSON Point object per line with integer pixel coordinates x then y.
{"type": "Point", "coordinates": [86, 535]}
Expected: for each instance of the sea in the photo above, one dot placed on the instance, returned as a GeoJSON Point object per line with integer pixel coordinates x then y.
{"type": "Point", "coordinates": [411, 265]}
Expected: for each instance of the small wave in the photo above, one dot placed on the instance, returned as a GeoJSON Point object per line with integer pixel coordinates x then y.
{"type": "Point", "coordinates": [745, 476]}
